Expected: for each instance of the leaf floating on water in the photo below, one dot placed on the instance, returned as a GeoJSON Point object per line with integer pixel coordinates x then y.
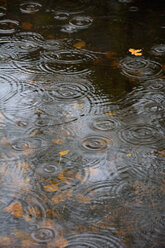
{"type": "Point", "coordinates": [110, 114]}
{"type": "Point", "coordinates": [57, 141]}
{"type": "Point", "coordinates": [63, 153]}
{"type": "Point", "coordinates": [79, 44]}
{"type": "Point", "coordinates": [15, 209]}
{"type": "Point", "coordinates": [27, 25]}
{"type": "Point", "coordinates": [51, 188]}
{"type": "Point", "coordinates": [136, 52]}
{"type": "Point", "coordinates": [128, 154]}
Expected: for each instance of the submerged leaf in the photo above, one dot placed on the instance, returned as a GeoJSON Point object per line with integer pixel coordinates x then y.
{"type": "Point", "coordinates": [15, 209]}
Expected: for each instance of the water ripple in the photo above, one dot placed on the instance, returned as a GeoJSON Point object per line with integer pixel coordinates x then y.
{"type": "Point", "coordinates": [105, 123]}
{"type": "Point", "coordinates": [67, 61]}
{"type": "Point", "coordinates": [94, 240]}
{"type": "Point", "coordinates": [30, 7]}
{"type": "Point", "coordinates": [140, 68]}
{"type": "Point", "coordinates": [2, 11]}
{"type": "Point", "coordinates": [140, 134]}
{"type": "Point", "coordinates": [158, 50]}
{"type": "Point", "coordinates": [8, 26]}
{"type": "Point", "coordinates": [81, 22]}
{"type": "Point", "coordinates": [43, 235]}
{"type": "Point", "coordinates": [95, 143]}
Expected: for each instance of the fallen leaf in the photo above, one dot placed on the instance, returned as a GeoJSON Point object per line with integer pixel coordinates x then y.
{"type": "Point", "coordinates": [35, 133]}
{"type": "Point", "coordinates": [57, 141]}
{"type": "Point", "coordinates": [136, 52]}
{"type": "Point", "coordinates": [110, 114]}
{"type": "Point", "coordinates": [64, 152]}
{"type": "Point", "coordinates": [128, 154]}
{"type": "Point", "coordinates": [51, 188]}
{"type": "Point", "coordinates": [26, 25]}
{"type": "Point", "coordinates": [15, 209]}
{"type": "Point", "coordinates": [79, 44]}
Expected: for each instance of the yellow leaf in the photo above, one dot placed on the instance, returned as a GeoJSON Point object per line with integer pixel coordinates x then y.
{"type": "Point", "coordinates": [26, 25]}
{"type": "Point", "coordinates": [128, 154]}
{"type": "Point", "coordinates": [51, 188]}
{"type": "Point", "coordinates": [79, 44]}
{"type": "Point", "coordinates": [15, 209]}
{"type": "Point", "coordinates": [136, 52]}
{"type": "Point", "coordinates": [64, 152]}
{"type": "Point", "coordinates": [57, 141]}
{"type": "Point", "coordinates": [110, 114]}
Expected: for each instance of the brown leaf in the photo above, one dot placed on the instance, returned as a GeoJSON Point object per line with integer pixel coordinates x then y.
{"type": "Point", "coordinates": [15, 209]}
{"type": "Point", "coordinates": [26, 25]}
{"type": "Point", "coordinates": [82, 199]}
{"type": "Point", "coordinates": [57, 141]}
{"type": "Point", "coordinates": [79, 44]}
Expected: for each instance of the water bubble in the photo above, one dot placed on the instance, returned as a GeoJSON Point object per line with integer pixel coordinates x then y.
{"type": "Point", "coordinates": [140, 68]}
{"type": "Point", "coordinates": [43, 235]}
{"type": "Point", "coordinates": [133, 9]}
{"type": "Point", "coordinates": [158, 50]}
{"type": "Point", "coordinates": [30, 7]}
{"type": "Point", "coordinates": [8, 26]}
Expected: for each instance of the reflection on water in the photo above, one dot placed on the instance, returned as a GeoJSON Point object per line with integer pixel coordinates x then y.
{"type": "Point", "coordinates": [82, 124]}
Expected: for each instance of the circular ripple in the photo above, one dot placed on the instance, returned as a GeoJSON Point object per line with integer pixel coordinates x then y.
{"type": "Point", "coordinates": [140, 68]}
{"type": "Point", "coordinates": [30, 7]}
{"type": "Point", "coordinates": [43, 235]}
{"type": "Point", "coordinates": [33, 205]}
{"type": "Point", "coordinates": [67, 62]}
{"type": "Point", "coordinates": [92, 204]}
{"type": "Point", "coordinates": [61, 15]}
{"type": "Point", "coordinates": [105, 124]}
{"type": "Point", "coordinates": [76, 6]}
{"type": "Point", "coordinates": [93, 241]}
{"type": "Point", "coordinates": [8, 26]}
{"type": "Point", "coordinates": [81, 22]}
{"type": "Point", "coordinates": [29, 36]}
{"type": "Point", "coordinates": [94, 143]}
{"type": "Point", "coordinates": [156, 85]}
{"type": "Point", "coordinates": [69, 91]}
{"type": "Point", "coordinates": [2, 11]}
{"type": "Point", "coordinates": [140, 135]}
{"type": "Point", "coordinates": [9, 87]}
{"type": "Point", "coordinates": [158, 50]}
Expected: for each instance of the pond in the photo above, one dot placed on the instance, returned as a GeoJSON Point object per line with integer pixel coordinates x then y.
{"type": "Point", "coordinates": [82, 134]}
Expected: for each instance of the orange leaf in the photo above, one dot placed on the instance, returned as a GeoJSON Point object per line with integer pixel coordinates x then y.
{"type": "Point", "coordinates": [64, 152]}
{"type": "Point", "coordinates": [128, 154]}
{"type": "Point", "coordinates": [79, 44]}
{"type": "Point", "coordinates": [15, 209]}
{"type": "Point", "coordinates": [110, 114]}
{"type": "Point", "coordinates": [136, 52]}
{"type": "Point", "coordinates": [26, 25]}
{"type": "Point", "coordinates": [57, 141]}
{"type": "Point", "coordinates": [51, 188]}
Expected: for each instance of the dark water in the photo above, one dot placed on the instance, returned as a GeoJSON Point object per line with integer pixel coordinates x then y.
{"type": "Point", "coordinates": [82, 131]}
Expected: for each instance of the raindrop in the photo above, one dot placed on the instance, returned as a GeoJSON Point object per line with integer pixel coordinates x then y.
{"type": "Point", "coordinates": [95, 143]}
{"type": "Point", "coordinates": [67, 62]}
{"type": "Point", "coordinates": [140, 134]}
{"type": "Point", "coordinates": [158, 50]}
{"type": "Point", "coordinates": [2, 11]}
{"type": "Point", "coordinates": [94, 240]}
{"type": "Point", "coordinates": [8, 26]}
{"type": "Point", "coordinates": [43, 235]}
{"type": "Point", "coordinates": [140, 68]}
{"type": "Point", "coordinates": [81, 22]}
{"type": "Point", "coordinates": [30, 7]}
{"type": "Point", "coordinates": [61, 15]}
{"type": "Point", "coordinates": [105, 123]}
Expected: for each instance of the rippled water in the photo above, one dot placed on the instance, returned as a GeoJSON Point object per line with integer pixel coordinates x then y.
{"type": "Point", "coordinates": [82, 134]}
